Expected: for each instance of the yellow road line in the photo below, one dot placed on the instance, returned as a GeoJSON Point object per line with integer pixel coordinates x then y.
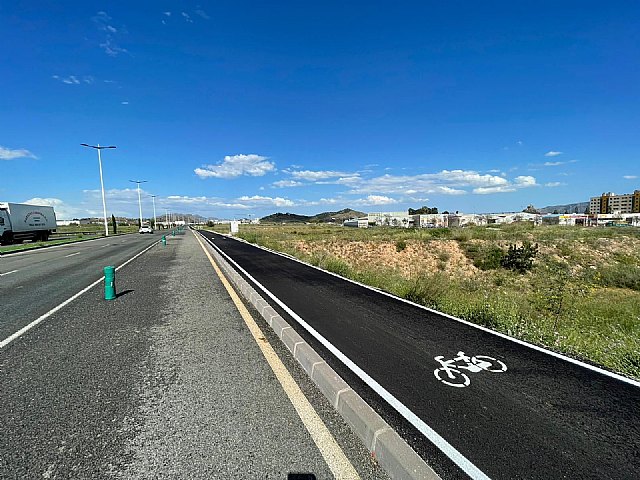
{"type": "Point", "coordinates": [329, 448]}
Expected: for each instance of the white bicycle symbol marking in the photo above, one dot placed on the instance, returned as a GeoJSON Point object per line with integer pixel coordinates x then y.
{"type": "Point", "coordinates": [455, 378]}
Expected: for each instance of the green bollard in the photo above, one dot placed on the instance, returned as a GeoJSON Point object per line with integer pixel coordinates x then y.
{"type": "Point", "coordinates": [164, 240]}
{"type": "Point", "coordinates": [173, 233]}
{"type": "Point", "coordinates": [109, 283]}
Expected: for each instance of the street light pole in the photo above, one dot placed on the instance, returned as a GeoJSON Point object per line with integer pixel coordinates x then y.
{"type": "Point", "coordinates": [104, 204]}
{"type": "Point", "coordinates": [155, 223]}
{"type": "Point", "coordinates": [139, 201]}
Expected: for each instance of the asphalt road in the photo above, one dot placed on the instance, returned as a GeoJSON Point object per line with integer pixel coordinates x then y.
{"type": "Point", "coordinates": [543, 417]}
{"type": "Point", "coordinates": [33, 282]}
{"type": "Point", "coordinates": [165, 381]}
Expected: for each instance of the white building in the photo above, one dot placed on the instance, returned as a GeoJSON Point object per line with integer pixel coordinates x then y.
{"type": "Point", "coordinates": [390, 219]}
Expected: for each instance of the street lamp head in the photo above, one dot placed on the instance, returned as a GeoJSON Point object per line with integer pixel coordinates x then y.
{"type": "Point", "coordinates": [97, 147]}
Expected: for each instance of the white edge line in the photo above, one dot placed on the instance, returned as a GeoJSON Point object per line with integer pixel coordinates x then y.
{"type": "Point", "coordinates": [448, 449]}
{"type": "Point", "coordinates": [8, 273]}
{"type": "Point", "coordinates": [51, 247]}
{"type": "Point", "coordinates": [617, 376]}
{"type": "Point", "coordinates": [26, 328]}
{"type": "Point", "coordinates": [72, 254]}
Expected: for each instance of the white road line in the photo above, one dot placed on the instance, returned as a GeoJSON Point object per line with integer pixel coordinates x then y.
{"type": "Point", "coordinates": [459, 320]}
{"type": "Point", "coordinates": [449, 450]}
{"type": "Point", "coordinates": [333, 455]}
{"type": "Point", "coordinates": [105, 245]}
{"type": "Point", "coordinates": [8, 273]}
{"type": "Point", "coordinates": [72, 254]}
{"type": "Point", "coordinates": [26, 328]}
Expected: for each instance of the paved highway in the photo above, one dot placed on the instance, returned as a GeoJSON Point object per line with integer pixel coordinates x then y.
{"type": "Point", "coordinates": [522, 413]}
{"type": "Point", "coordinates": [34, 281]}
{"type": "Point", "coordinates": [165, 381]}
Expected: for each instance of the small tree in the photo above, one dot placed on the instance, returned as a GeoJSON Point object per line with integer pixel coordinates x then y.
{"type": "Point", "coordinates": [114, 224]}
{"type": "Point", "coordinates": [521, 258]}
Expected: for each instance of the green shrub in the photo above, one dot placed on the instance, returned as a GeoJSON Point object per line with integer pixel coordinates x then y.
{"type": "Point", "coordinates": [620, 276]}
{"type": "Point", "coordinates": [484, 257]}
{"type": "Point", "coordinates": [401, 245]}
{"type": "Point", "coordinates": [520, 259]}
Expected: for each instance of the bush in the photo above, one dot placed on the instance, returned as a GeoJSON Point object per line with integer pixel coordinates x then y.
{"type": "Point", "coordinates": [520, 259]}
{"type": "Point", "coordinates": [400, 245]}
{"type": "Point", "coordinates": [620, 276]}
{"type": "Point", "coordinates": [484, 257]}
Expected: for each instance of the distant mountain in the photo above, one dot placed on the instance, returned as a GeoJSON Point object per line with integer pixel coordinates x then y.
{"type": "Point", "coordinates": [325, 217]}
{"type": "Point", "coordinates": [570, 207]}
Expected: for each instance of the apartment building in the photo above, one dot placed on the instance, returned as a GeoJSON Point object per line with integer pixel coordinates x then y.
{"type": "Point", "coordinates": [611, 203]}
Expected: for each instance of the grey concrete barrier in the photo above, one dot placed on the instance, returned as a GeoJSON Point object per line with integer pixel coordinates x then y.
{"type": "Point", "coordinates": [398, 459]}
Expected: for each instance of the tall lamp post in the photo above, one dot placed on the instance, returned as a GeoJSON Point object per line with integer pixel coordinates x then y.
{"type": "Point", "coordinates": [155, 223]}
{"type": "Point", "coordinates": [104, 204]}
{"type": "Point", "coordinates": [139, 201]}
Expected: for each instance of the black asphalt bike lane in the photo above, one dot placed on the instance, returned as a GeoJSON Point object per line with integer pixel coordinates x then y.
{"type": "Point", "coordinates": [68, 399]}
{"type": "Point", "coordinates": [542, 418]}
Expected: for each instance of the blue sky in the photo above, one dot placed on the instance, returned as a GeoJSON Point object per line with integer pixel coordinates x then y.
{"type": "Point", "coordinates": [235, 108]}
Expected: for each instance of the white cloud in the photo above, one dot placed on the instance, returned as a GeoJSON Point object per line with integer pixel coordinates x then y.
{"type": "Point", "coordinates": [124, 103]}
{"type": "Point", "coordinates": [202, 14]}
{"type": "Point", "coordinates": [525, 181]}
{"type": "Point", "coordinates": [187, 17]}
{"type": "Point", "coordinates": [109, 43]}
{"type": "Point", "coordinates": [630, 177]}
{"type": "Point", "coordinates": [554, 184]}
{"type": "Point", "coordinates": [236, 165]}
{"type": "Point", "coordinates": [178, 201]}
{"type": "Point", "coordinates": [9, 154]}
{"type": "Point", "coordinates": [375, 200]}
{"type": "Point", "coordinates": [445, 182]}
{"type": "Point", "coordinates": [63, 211]}
{"type": "Point", "coordinates": [552, 154]}
{"type": "Point", "coordinates": [498, 189]}
{"type": "Point", "coordinates": [265, 201]}
{"type": "Point", "coordinates": [111, 48]}
{"type": "Point", "coordinates": [168, 14]}
{"type": "Point", "coordinates": [70, 80]}
{"type": "Point", "coordinates": [522, 181]}
{"type": "Point", "coordinates": [287, 183]}
{"type": "Point", "coordinates": [553, 164]}
{"type": "Point", "coordinates": [315, 175]}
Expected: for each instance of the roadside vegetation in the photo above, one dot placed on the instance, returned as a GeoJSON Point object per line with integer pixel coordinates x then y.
{"type": "Point", "coordinates": [571, 289]}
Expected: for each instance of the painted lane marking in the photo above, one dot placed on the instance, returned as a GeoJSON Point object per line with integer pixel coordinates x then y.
{"type": "Point", "coordinates": [449, 450]}
{"type": "Point", "coordinates": [26, 328]}
{"type": "Point", "coordinates": [8, 273]}
{"type": "Point", "coordinates": [560, 356]}
{"type": "Point", "coordinates": [72, 254]}
{"type": "Point", "coordinates": [105, 245]}
{"type": "Point", "coordinates": [337, 461]}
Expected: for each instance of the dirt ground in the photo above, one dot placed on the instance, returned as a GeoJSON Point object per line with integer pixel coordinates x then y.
{"type": "Point", "coordinates": [414, 259]}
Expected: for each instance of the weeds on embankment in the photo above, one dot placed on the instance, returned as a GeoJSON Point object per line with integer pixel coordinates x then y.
{"type": "Point", "coordinates": [581, 295]}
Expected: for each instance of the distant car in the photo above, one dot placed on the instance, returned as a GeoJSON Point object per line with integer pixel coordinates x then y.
{"type": "Point", "coordinates": [145, 229]}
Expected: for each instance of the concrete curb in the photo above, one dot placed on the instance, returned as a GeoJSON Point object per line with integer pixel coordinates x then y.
{"type": "Point", "coordinates": [398, 459]}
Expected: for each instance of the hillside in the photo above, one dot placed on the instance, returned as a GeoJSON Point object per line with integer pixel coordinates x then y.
{"type": "Point", "coordinates": [325, 217]}
{"type": "Point", "coordinates": [285, 218]}
{"type": "Point", "coordinates": [570, 207]}
{"type": "Point", "coordinates": [338, 216]}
